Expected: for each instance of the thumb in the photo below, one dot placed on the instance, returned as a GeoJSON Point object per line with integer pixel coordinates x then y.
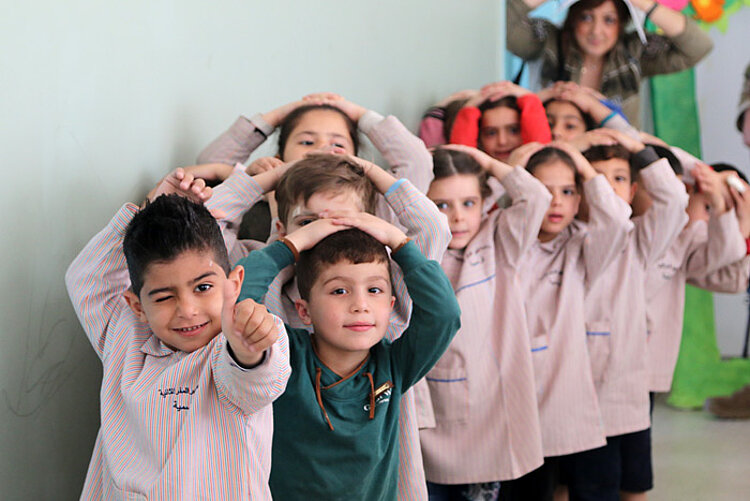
{"type": "Point", "coordinates": [231, 293]}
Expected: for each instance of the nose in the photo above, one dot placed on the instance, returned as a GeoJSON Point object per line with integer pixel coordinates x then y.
{"type": "Point", "coordinates": [502, 137]}
{"type": "Point", "coordinates": [359, 302]}
{"type": "Point", "coordinates": [456, 215]}
{"type": "Point", "coordinates": [557, 131]}
{"type": "Point", "coordinates": [187, 307]}
{"type": "Point", "coordinates": [556, 199]}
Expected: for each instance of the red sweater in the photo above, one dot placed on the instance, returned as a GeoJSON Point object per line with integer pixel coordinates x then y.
{"type": "Point", "coordinates": [534, 124]}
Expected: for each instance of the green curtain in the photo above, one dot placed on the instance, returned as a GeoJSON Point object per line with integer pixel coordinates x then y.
{"type": "Point", "coordinates": [700, 372]}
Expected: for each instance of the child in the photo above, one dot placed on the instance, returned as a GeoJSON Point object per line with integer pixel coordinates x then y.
{"type": "Point", "coordinates": [335, 182]}
{"type": "Point", "coordinates": [708, 253]}
{"type": "Point", "coordinates": [567, 255]}
{"type": "Point", "coordinates": [337, 423]}
{"type": "Point", "coordinates": [482, 389]}
{"type": "Point", "coordinates": [497, 120]}
{"type": "Point", "coordinates": [185, 408]}
{"type": "Point", "coordinates": [616, 323]}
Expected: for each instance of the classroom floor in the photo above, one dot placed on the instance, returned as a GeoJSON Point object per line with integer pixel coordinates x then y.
{"type": "Point", "coordinates": [698, 457]}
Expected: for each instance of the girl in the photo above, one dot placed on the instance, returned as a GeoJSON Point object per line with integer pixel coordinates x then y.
{"type": "Point", "coordinates": [497, 120]}
{"type": "Point", "coordinates": [482, 389]}
{"type": "Point", "coordinates": [567, 255]}
{"type": "Point", "coordinates": [593, 49]}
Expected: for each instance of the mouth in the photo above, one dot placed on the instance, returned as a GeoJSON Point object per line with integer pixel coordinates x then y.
{"type": "Point", "coordinates": [359, 326]}
{"type": "Point", "coordinates": [555, 218]}
{"type": "Point", "coordinates": [458, 234]}
{"type": "Point", "coordinates": [193, 330]}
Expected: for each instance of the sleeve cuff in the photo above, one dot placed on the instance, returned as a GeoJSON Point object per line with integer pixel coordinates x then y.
{"type": "Point", "coordinates": [644, 158]}
{"type": "Point", "coordinates": [261, 125]}
{"type": "Point", "coordinates": [394, 186]}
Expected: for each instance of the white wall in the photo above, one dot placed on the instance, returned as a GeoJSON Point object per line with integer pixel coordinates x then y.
{"type": "Point", "coordinates": [718, 84]}
{"type": "Point", "coordinates": [100, 99]}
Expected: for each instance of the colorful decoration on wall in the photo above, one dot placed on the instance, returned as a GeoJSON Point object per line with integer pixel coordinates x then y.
{"type": "Point", "coordinates": [708, 13]}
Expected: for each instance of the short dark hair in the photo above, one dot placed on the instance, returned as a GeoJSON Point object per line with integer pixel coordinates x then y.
{"type": "Point", "coordinates": [447, 163]}
{"type": "Point", "coordinates": [721, 167]}
{"type": "Point", "coordinates": [604, 152]}
{"type": "Point", "coordinates": [164, 229]}
{"type": "Point", "coordinates": [292, 119]}
{"type": "Point", "coordinates": [551, 154]}
{"type": "Point", "coordinates": [352, 245]}
{"type": "Point", "coordinates": [321, 173]}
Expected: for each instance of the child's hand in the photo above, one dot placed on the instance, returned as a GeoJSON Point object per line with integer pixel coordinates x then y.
{"type": "Point", "coordinates": [483, 159]}
{"type": "Point", "coordinates": [275, 117]}
{"type": "Point", "coordinates": [712, 184]}
{"type": "Point", "coordinates": [651, 139]}
{"type": "Point", "coordinates": [457, 96]}
{"type": "Point", "coordinates": [383, 231]}
{"type": "Point", "coordinates": [520, 156]}
{"type": "Point", "coordinates": [308, 236]}
{"type": "Point", "coordinates": [596, 137]}
{"type": "Point", "coordinates": [583, 166]}
{"type": "Point", "coordinates": [248, 327]}
{"type": "Point", "coordinates": [263, 164]}
{"type": "Point", "coordinates": [629, 143]}
{"type": "Point", "coordinates": [181, 183]}
{"type": "Point", "coordinates": [353, 111]}
{"type": "Point", "coordinates": [498, 90]}
{"type": "Point", "coordinates": [742, 207]}
{"type": "Point", "coordinates": [210, 172]}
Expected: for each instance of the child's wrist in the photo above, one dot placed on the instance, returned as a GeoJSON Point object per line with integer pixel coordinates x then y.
{"type": "Point", "coordinates": [400, 244]}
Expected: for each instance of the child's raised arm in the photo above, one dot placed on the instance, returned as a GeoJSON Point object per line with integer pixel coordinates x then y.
{"type": "Point", "coordinates": [98, 277]}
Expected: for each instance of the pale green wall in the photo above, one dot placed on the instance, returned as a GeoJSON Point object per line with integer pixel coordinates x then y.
{"type": "Point", "coordinates": [99, 99]}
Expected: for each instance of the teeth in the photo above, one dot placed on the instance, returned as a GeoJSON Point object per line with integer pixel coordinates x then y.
{"type": "Point", "coordinates": [190, 329]}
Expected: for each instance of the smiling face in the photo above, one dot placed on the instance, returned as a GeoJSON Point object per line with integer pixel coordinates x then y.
{"type": "Point", "coordinates": [349, 306]}
{"type": "Point", "coordinates": [559, 179]}
{"type": "Point", "coordinates": [459, 197]}
{"type": "Point", "coordinates": [182, 299]}
{"type": "Point", "coordinates": [316, 130]}
{"type": "Point", "coordinates": [597, 29]}
{"type": "Point", "coordinates": [500, 132]}
{"type": "Point", "coordinates": [565, 120]}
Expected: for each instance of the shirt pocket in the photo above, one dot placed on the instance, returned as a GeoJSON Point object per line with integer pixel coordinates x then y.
{"type": "Point", "coordinates": [599, 344]}
{"type": "Point", "coordinates": [449, 390]}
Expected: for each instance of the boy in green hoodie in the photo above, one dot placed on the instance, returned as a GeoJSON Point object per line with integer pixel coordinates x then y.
{"type": "Point", "coordinates": [336, 426]}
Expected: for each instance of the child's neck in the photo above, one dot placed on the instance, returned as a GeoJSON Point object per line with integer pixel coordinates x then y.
{"type": "Point", "coordinates": [343, 363]}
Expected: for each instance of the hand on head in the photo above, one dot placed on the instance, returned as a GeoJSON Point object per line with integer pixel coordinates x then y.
{"type": "Point", "coordinates": [583, 166]}
{"type": "Point", "coordinates": [182, 183]}
{"type": "Point", "coordinates": [712, 184]}
{"type": "Point", "coordinates": [520, 156]}
{"type": "Point", "coordinates": [353, 110]}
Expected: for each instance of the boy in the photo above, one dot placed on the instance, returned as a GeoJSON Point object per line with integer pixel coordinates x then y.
{"type": "Point", "coordinates": [336, 182]}
{"type": "Point", "coordinates": [337, 428]}
{"type": "Point", "coordinates": [185, 408]}
{"type": "Point", "coordinates": [616, 320]}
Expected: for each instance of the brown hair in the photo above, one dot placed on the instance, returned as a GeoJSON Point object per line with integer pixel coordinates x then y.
{"type": "Point", "coordinates": [604, 152]}
{"type": "Point", "coordinates": [574, 16]}
{"type": "Point", "coordinates": [447, 163]}
{"type": "Point", "coordinates": [292, 119]}
{"type": "Point", "coordinates": [352, 245]}
{"type": "Point", "coordinates": [552, 154]}
{"type": "Point", "coordinates": [323, 173]}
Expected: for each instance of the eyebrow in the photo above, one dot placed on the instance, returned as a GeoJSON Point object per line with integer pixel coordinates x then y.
{"type": "Point", "coordinates": [169, 289]}
{"type": "Point", "coordinates": [344, 279]}
{"type": "Point", "coordinates": [314, 133]}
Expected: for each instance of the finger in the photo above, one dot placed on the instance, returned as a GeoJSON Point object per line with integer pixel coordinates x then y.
{"type": "Point", "coordinates": [218, 214]}
{"type": "Point", "coordinates": [252, 318]}
{"type": "Point", "coordinates": [186, 181]}
{"type": "Point", "coordinates": [263, 327]}
{"type": "Point", "coordinates": [179, 173]}
{"type": "Point", "coordinates": [243, 313]}
{"type": "Point", "coordinates": [227, 312]}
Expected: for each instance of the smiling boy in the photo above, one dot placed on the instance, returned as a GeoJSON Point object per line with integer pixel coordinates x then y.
{"type": "Point", "coordinates": [188, 376]}
{"type": "Point", "coordinates": [337, 431]}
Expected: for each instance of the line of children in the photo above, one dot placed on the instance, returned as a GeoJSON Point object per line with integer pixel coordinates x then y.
{"type": "Point", "coordinates": [567, 315]}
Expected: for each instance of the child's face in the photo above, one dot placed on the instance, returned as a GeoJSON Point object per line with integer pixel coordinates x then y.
{"type": "Point", "coordinates": [597, 30]}
{"type": "Point", "coordinates": [182, 299]}
{"type": "Point", "coordinates": [560, 181]}
{"type": "Point", "coordinates": [349, 306]}
{"type": "Point", "coordinates": [565, 120]}
{"type": "Point", "coordinates": [500, 132]}
{"type": "Point", "coordinates": [617, 172]}
{"type": "Point", "coordinates": [317, 129]}
{"type": "Point", "coordinates": [459, 197]}
{"type": "Point", "coordinates": [699, 205]}
{"type": "Point", "coordinates": [346, 200]}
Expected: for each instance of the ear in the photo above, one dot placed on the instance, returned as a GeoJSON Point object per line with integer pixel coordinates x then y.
{"type": "Point", "coordinates": [633, 191]}
{"type": "Point", "coordinates": [280, 228]}
{"type": "Point", "coordinates": [236, 276]}
{"type": "Point", "coordinates": [135, 304]}
{"type": "Point", "coordinates": [303, 310]}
